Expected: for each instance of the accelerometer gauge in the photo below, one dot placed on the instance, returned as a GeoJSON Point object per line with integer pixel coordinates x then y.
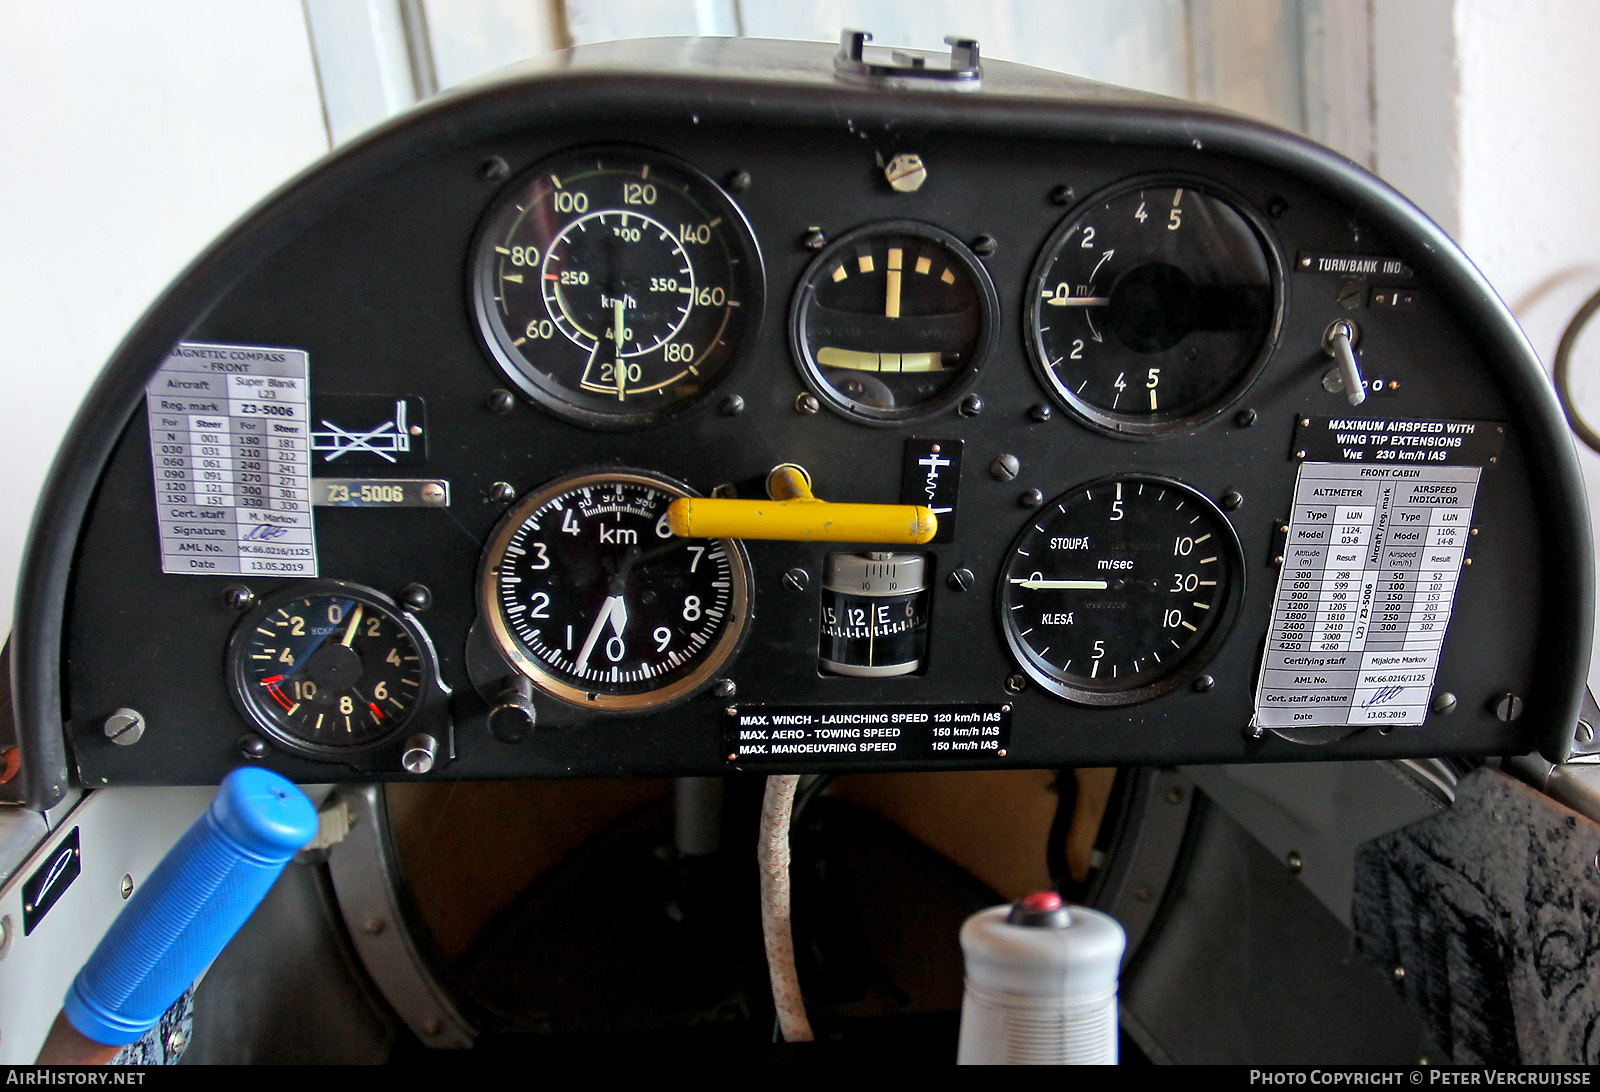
{"type": "Point", "coordinates": [615, 287]}
{"type": "Point", "coordinates": [328, 667]}
{"type": "Point", "coordinates": [1120, 590]}
{"type": "Point", "coordinates": [893, 321]}
{"type": "Point", "coordinates": [591, 597]}
{"type": "Point", "coordinates": [1153, 307]}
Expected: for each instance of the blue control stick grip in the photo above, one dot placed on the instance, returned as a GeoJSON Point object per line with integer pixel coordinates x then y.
{"type": "Point", "coordinates": [191, 906]}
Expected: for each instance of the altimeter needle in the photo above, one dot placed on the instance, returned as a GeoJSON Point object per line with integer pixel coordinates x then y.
{"type": "Point", "coordinates": [1063, 585]}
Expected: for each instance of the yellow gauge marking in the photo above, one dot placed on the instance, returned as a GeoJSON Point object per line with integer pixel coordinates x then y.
{"type": "Point", "coordinates": [891, 299]}
{"type": "Point", "coordinates": [947, 277]}
{"type": "Point", "coordinates": [841, 273]}
{"type": "Point", "coordinates": [1207, 560]}
{"type": "Point", "coordinates": [289, 712]}
{"type": "Point", "coordinates": [1208, 583]}
{"type": "Point", "coordinates": [556, 182]}
{"type": "Point", "coordinates": [1152, 399]}
{"type": "Point", "coordinates": [1188, 627]}
{"type": "Point", "coordinates": [644, 171]}
{"type": "Point", "coordinates": [1202, 538]}
{"type": "Point", "coordinates": [514, 277]}
{"type": "Point", "coordinates": [501, 250]}
{"type": "Point", "coordinates": [320, 718]}
{"type": "Point", "coordinates": [520, 341]}
{"type": "Point", "coordinates": [268, 632]}
{"type": "Point", "coordinates": [1202, 606]}
{"type": "Point", "coordinates": [924, 264]}
{"type": "Point", "coordinates": [857, 360]}
{"type": "Point", "coordinates": [715, 220]}
{"type": "Point", "coordinates": [864, 263]}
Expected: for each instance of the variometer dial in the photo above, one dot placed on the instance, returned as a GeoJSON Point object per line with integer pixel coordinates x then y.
{"type": "Point", "coordinates": [1120, 589]}
{"type": "Point", "coordinates": [615, 287]}
{"type": "Point", "coordinates": [592, 598]}
{"type": "Point", "coordinates": [330, 667]}
{"type": "Point", "coordinates": [1153, 307]}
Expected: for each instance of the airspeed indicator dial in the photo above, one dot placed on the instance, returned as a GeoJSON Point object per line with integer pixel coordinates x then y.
{"type": "Point", "coordinates": [1120, 589]}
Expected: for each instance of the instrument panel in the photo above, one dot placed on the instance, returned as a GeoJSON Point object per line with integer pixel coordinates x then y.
{"type": "Point", "coordinates": [1046, 395]}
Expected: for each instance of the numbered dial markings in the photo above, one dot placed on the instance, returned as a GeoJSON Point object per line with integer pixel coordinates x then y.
{"type": "Point", "coordinates": [329, 670]}
{"type": "Point", "coordinates": [1153, 308]}
{"type": "Point", "coordinates": [1120, 589]}
{"type": "Point", "coordinates": [592, 597]}
{"type": "Point", "coordinates": [614, 287]}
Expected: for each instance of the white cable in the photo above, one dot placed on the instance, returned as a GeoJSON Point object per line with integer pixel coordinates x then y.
{"type": "Point", "coordinates": [772, 853]}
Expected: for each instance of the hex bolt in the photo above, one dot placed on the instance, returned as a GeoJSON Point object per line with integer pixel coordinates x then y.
{"type": "Point", "coordinates": [494, 169]}
{"type": "Point", "coordinates": [960, 580]}
{"type": "Point", "coordinates": [502, 493]}
{"type": "Point", "coordinates": [731, 406]}
{"type": "Point", "coordinates": [416, 598]}
{"type": "Point", "coordinates": [1295, 862]}
{"type": "Point", "coordinates": [984, 246]}
{"type": "Point", "coordinates": [253, 747]}
{"type": "Point", "coordinates": [725, 688]}
{"type": "Point", "coordinates": [1005, 468]}
{"type": "Point", "coordinates": [1444, 703]}
{"type": "Point", "coordinates": [796, 579]}
{"type": "Point", "coordinates": [127, 886]}
{"type": "Point", "coordinates": [1245, 418]}
{"type": "Point", "coordinates": [1231, 500]}
{"type": "Point", "coordinates": [1031, 498]}
{"type": "Point", "coordinates": [737, 181]}
{"type": "Point", "coordinates": [1062, 195]}
{"type": "Point", "coordinates": [970, 406]}
{"type": "Point", "coordinates": [237, 597]}
{"type": "Point", "coordinates": [814, 239]}
{"type": "Point", "coordinates": [807, 403]}
{"type": "Point", "coordinates": [1016, 684]}
{"type": "Point", "coordinates": [1507, 707]}
{"type": "Point", "coordinates": [124, 727]}
{"type": "Point", "coordinates": [905, 173]}
{"type": "Point", "coordinates": [1040, 412]}
{"type": "Point", "coordinates": [433, 493]}
{"type": "Point", "coordinates": [501, 401]}
{"type": "Point", "coordinates": [1203, 683]}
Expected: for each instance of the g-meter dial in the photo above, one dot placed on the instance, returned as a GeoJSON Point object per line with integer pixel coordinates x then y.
{"type": "Point", "coordinates": [1120, 589]}
{"type": "Point", "coordinates": [615, 287]}
{"type": "Point", "coordinates": [593, 599]}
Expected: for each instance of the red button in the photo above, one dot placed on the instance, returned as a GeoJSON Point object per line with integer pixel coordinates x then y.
{"type": "Point", "coordinates": [1041, 902]}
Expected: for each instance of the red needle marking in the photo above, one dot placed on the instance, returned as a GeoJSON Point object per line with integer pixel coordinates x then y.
{"type": "Point", "coordinates": [272, 688]}
{"type": "Point", "coordinates": [375, 710]}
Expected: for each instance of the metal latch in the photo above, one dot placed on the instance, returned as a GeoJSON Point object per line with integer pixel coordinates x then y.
{"type": "Point", "coordinates": [905, 69]}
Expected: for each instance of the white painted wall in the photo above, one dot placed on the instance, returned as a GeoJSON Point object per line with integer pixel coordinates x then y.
{"type": "Point", "coordinates": [130, 136]}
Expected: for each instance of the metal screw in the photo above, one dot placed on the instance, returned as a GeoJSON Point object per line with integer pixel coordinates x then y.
{"type": "Point", "coordinates": [416, 598]}
{"type": "Point", "coordinates": [253, 747]}
{"type": "Point", "coordinates": [1040, 412]}
{"type": "Point", "coordinates": [372, 926]}
{"type": "Point", "coordinates": [1144, 893]}
{"type": "Point", "coordinates": [494, 169]}
{"type": "Point", "coordinates": [1300, 454]}
{"type": "Point", "coordinates": [1295, 862]}
{"type": "Point", "coordinates": [1174, 795]}
{"type": "Point", "coordinates": [1031, 498]}
{"type": "Point", "coordinates": [738, 181]}
{"type": "Point", "coordinates": [502, 492]}
{"type": "Point", "coordinates": [501, 401]}
{"type": "Point", "coordinates": [433, 493]}
{"type": "Point", "coordinates": [1399, 973]}
{"type": "Point", "coordinates": [1245, 418]}
{"type": "Point", "coordinates": [960, 580]}
{"type": "Point", "coordinates": [731, 406]}
{"type": "Point", "coordinates": [176, 1042]}
{"type": "Point", "coordinates": [970, 406]}
{"type": "Point", "coordinates": [725, 688]}
{"type": "Point", "coordinates": [1508, 707]}
{"type": "Point", "coordinates": [1444, 703]}
{"type": "Point", "coordinates": [1232, 499]}
{"type": "Point", "coordinates": [237, 597]}
{"type": "Point", "coordinates": [814, 239]}
{"type": "Point", "coordinates": [1203, 683]}
{"type": "Point", "coordinates": [1005, 468]}
{"type": "Point", "coordinates": [432, 1026]}
{"type": "Point", "coordinates": [807, 403]}
{"type": "Point", "coordinates": [905, 173]}
{"type": "Point", "coordinates": [984, 246]}
{"type": "Point", "coordinates": [1061, 195]}
{"type": "Point", "coordinates": [1277, 207]}
{"type": "Point", "coordinates": [127, 886]}
{"type": "Point", "coordinates": [1255, 732]}
{"type": "Point", "coordinates": [125, 727]}
{"type": "Point", "coordinates": [1016, 684]}
{"type": "Point", "coordinates": [796, 579]}
{"type": "Point", "coordinates": [1585, 732]}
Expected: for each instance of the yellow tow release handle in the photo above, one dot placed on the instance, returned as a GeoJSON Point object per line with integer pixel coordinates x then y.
{"type": "Point", "coordinates": [794, 515]}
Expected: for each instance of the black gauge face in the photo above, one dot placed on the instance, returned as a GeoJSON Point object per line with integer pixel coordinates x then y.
{"type": "Point", "coordinates": [1153, 308]}
{"type": "Point", "coordinates": [330, 667]}
{"type": "Point", "coordinates": [1120, 589]}
{"type": "Point", "coordinates": [615, 287]}
{"type": "Point", "coordinates": [893, 321]}
{"type": "Point", "coordinates": [592, 598]}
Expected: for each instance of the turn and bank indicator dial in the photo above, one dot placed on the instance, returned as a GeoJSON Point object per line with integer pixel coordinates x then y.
{"type": "Point", "coordinates": [1120, 590]}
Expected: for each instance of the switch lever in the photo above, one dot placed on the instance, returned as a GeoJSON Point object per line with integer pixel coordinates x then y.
{"type": "Point", "coordinates": [1338, 341]}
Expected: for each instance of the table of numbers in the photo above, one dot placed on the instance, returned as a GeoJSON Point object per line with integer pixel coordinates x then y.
{"type": "Point", "coordinates": [230, 439]}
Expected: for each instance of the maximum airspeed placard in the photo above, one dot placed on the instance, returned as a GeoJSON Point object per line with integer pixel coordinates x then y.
{"type": "Point", "coordinates": [1381, 520]}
